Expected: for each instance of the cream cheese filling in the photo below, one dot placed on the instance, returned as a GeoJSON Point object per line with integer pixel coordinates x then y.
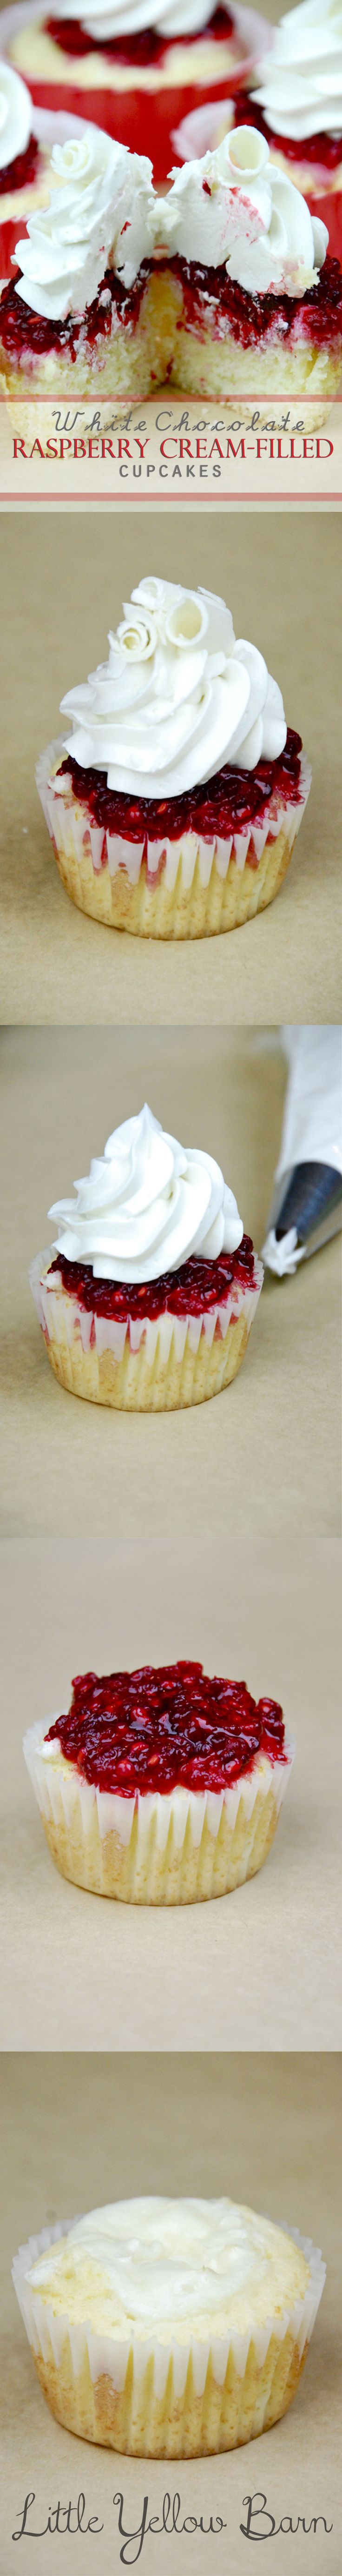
{"type": "Point", "coordinates": [160, 2266]}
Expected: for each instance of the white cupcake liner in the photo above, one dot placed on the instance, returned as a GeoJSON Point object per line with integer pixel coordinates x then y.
{"type": "Point", "coordinates": [110, 2355]}
{"type": "Point", "coordinates": [71, 831]}
{"type": "Point", "coordinates": [69, 1790]}
{"type": "Point", "coordinates": [59, 1317]}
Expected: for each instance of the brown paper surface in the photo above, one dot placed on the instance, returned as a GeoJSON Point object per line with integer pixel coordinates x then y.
{"type": "Point", "coordinates": [65, 579]}
{"type": "Point", "coordinates": [258, 1969]}
{"type": "Point", "coordinates": [264, 2130]}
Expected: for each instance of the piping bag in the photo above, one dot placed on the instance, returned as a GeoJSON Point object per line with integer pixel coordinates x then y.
{"type": "Point", "coordinates": [306, 1206]}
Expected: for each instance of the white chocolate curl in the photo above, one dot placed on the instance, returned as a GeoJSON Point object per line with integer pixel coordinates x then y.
{"type": "Point", "coordinates": [234, 207]}
{"type": "Point", "coordinates": [301, 91]}
{"type": "Point", "coordinates": [102, 215]}
{"type": "Point", "coordinates": [177, 698]}
{"type": "Point", "coordinates": [146, 1206]}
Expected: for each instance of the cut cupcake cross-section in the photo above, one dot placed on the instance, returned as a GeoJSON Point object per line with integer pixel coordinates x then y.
{"type": "Point", "coordinates": [174, 804]}
{"type": "Point", "coordinates": [259, 298]}
{"type": "Point", "coordinates": [85, 314]}
{"type": "Point", "coordinates": [162, 1786]}
{"type": "Point", "coordinates": [149, 1300]}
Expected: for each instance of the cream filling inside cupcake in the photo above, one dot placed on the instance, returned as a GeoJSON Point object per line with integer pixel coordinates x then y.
{"type": "Point", "coordinates": [204, 58]}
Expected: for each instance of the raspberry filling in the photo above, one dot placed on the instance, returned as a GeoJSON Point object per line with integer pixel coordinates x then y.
{"type": "Point", "coordinates": [20, 173]}
{"type": "Point", "coordinates": [192, 1290]}
{"type": "Point", "coordinates": [164, 1727]}
{"type": "Point", "coordinates": [250, 317]}
{"type": "Point", "coordinates": [226, 803]}
{"type": "Point", "coordinates": [22, 330]}
{"type": "Point", "coordinates": [146, 47]}
{"type": "Point", "coordinates": [326, 149]}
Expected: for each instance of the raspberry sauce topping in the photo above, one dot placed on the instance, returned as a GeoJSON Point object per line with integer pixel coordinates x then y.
{"type": "Point", "coordinates": [228, 802]}
{"type": "Point", "coordinates": [165, 1726]}
{"type": "Point", "coordinates": [21, 172]}
{"type": "Point", "coordinates": [250, 317]}
{"type": "Point", "coordinates": [146, 47]}
{"type": "Point", "coordinates": [322, 149]}
{"type": "Point", "coordinates": [189, 1291]}
{"type": "Point", "coordinates": [22, 330]}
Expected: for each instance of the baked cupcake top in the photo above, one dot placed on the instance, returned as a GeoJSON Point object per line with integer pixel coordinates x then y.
{"type": "Point", "coordinates": [169, 2268]}
{"type": "Point", "coordinates": [301, 90]}
{"type": "Point", "coordinates": [234, 209]}
{"type": "Point", "coordinates": [147, 1205]}
{"type": "Point", "coordinates": [165, 1727]}
{"type": "Point", "coordinates": [178, 697]}
{"type": "Point", "coordinates": [101, 217]}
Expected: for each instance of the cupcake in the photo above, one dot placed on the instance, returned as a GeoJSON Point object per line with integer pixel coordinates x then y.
{"type": "Point", "coordinates": [24, 163]}
{"type": "Point", "coordinates": [297, 105]}
{"type": "Point", "coordinates": [174, 804]}
{"type": "Point", "coordinates": [162, 1786]}
{"type": "Point", "coordinates": [149, 1300]}
{"type": "Point", "coordinates": [134, 64]}
{"type": "Point", "coordinates": [300, 101]}
{"type": "Point", "coordinates": [259, 301]}
{"type": "Point", "coordinates": [169, 2328]}
{"type": "Point", "coordinates": [81, 317]}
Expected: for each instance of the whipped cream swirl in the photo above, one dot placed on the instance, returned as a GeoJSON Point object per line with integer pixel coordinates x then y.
{"type": "Point", "coordinates": [233, 207]}
{"type": "Point", "coordinates": [301, 90]}
{"type": "Point", "coordinates": [15, 115]}
{"type": "Point", "coordinates": [146, 1205]}
{"type": "Point", "coordinates": [101, 215]}
{"type": "Point", "coordinates": [105, 19]}
{"type": "Point", "coordinates": [167, 2261]}
{"type": "Point", "coordinates": [177, 698]}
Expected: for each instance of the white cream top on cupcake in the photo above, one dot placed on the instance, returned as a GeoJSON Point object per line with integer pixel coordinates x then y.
{"type": "Point", "coordinates": [234, 209]}
{"type": "Point", "coordinates": [101, 214]}
{"type": "Point", "coordinates": [15, 115]}
{"type": "Point", "coordinates": [301, 92]}
{"type": "Point", "coordinates": [146, 1206]}
{"type": "Point", "coordinates": [105, 19]}
{"type": "Point", "coordinates": [172, 2268]}
{"type": "Point", "coordinates": [177, 698]}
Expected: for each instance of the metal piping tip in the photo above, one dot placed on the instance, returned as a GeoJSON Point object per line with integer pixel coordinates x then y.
{"type": "Point", "coordinates": [306, 1211]}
